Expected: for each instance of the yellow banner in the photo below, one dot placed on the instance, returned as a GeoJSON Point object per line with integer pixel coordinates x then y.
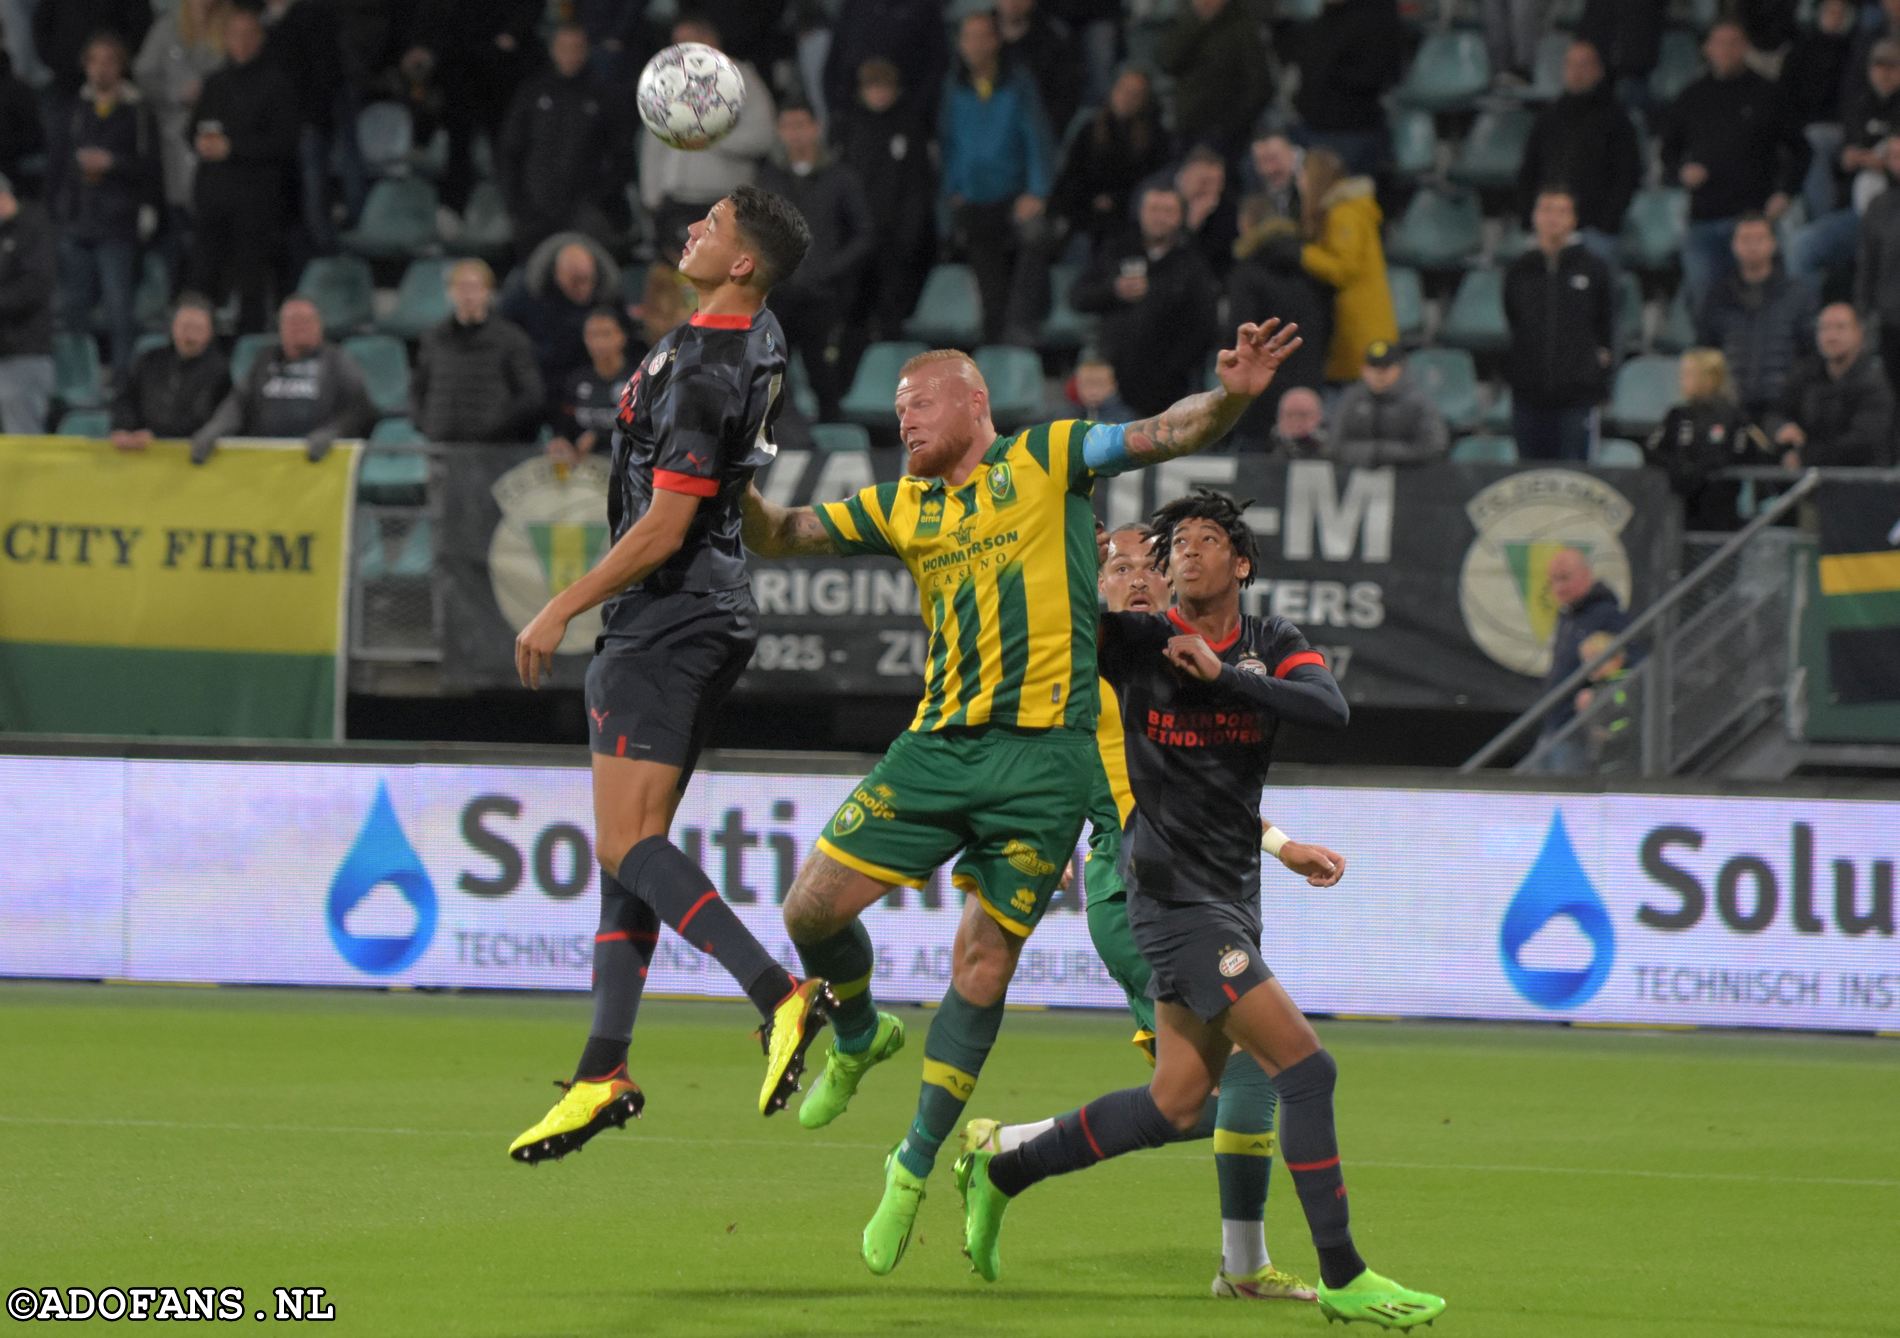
{"type": "Point", "coordinates": [101, 547]}
{"type": "Point", "coordinates": [1860, 573]}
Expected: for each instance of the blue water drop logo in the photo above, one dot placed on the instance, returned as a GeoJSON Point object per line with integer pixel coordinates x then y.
{"type": "Point", "coordinates": [1557, 886]}
{"type": "Point", "coordinates": [382, 854]}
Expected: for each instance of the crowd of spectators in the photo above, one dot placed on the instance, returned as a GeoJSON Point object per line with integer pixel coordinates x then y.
{"type": "Point", "coordinates": [1165, 168]}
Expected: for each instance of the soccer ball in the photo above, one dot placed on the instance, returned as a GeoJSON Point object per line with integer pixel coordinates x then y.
{"type": "Point", "coordinates": [690, 96]}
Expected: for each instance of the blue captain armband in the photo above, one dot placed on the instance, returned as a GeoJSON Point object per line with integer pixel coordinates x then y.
{"type": "Point", "coordinates": [1105, 450]}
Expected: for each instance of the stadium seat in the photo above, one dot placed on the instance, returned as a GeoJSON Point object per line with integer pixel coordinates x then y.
{"type": "Point", "coordinates": [343, 291]}
{"type": "Point", "coordinates": [1617, 453]}
{"type": "Point", "coordinates": [1678, 330]}
{"type": "Point", "coordinates": [1298, 11]}
{"type": "Point", "coordinates": [1645, 390]}
{"type": "Point", "coordinates": [244, 352]}
{"type": "Point", "coordinates": [839, 437]}
{"type": "Point", "coordinates": [1496, 417]}
{"type": "Point", "coordinates": [1408, 302]}
{"type": "Point", "coordinates": [409, 555]}
{"type": "Point", "coordinates": [1064, 327]}
{"type": "Point", "coordinates": [150, 340]}
{"type": "Point", "coordinates": [1014, 376]}
{"type": "Point", "coordinates": [1513, 241]}
{"type": "Point", "coordinates": [1547, 75]}
{"type": "Point", "coordinates": [868, 402]}
{"type": "Point", "coordinates": [396, 432]}
{"type": "Point", "coordinates": [1414, 142]}
{"type": "Point", "coordinates": [1484, 451]}
{"type": "Point", "coordinates": [1451, 379]}
{"type": "Point", "coordinates": [1493, 149]}
{"type": "Point", "coordinates": [1475, 320]}
{"type": "Point", "coordinates": [422, 300]}
{"type": "Point", "coordinates": [1629, 312]}
{"type": "Point", "coordinates": [85, 423]}
{"type": "Point", "coordinates": [76, 382]}
{"type": "Point", "coordinates": [152, 302]}
{"type": "Point", "coordinates": [798, 381]}
{"type": "Point", "coordinates": [1678, 64]}
{"type": "Point", "coordinates": [1654, 227]}
{"type": "Point", "coordinates": [393, 477]}
{"type": "Point", "coordinates": [398, 220]}
{"type": "Point", "coordinates": [486, 227]}
{"type": "Point", "coordinates": [385, 363]}
{"type": "Point", "coordinates": [949, 310]}
{"type": "Point", "coordinates": [1449, 73]}
{"type": "Point", "coordinates": [1437, 232]}
{"type": "Point", "coordinates": [384, 136]}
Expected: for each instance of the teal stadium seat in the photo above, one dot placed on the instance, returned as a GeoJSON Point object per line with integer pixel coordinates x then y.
{"type": "Point", "coordinates": [798, 381]}
{"type": "Point", "coordinates": [1476, 318]}
{"type": "Point", "coordinates": [408, 554]}
{"type": "Point", "coordinates": [1484, 451]}
{"type": "Point", "coordinates": [1617, 453]}
{"type": "Point", "coordinates": [1014, 376]}
{"type": "Point", "coordinates": [1414, 142]}
{"type": "Point", "coordinates": [1064, 327]}
{"type": "Point", "coordinates": [1547, 74]}
{"type": "Point", "coordinates": [85, 423]}
{"type": "Point", "coordinates": [152, 302]}
{"type": "Point", "coordinates": [398, 221]}
{"type": "Point", "coordinates": [487, 230]}
{"type": "Point", "coordinates": [150, 340]}
{"type": "Point", "coordinates": [949, 310]}
{"type": "Point", "coordinates": [1437, 232]}
{"type": "Point", "coordinates": [1629, 312]}
{"type": "Point", "coordinates": [1449, 73]}
{"type": "Point", "coordinates": [830, 437]}
{"type": "Point", "coordinates": [868, 402]}
{"type": "Point", "coordinates": [385, 135]}
{"type": "Point", "coordinates": [343, 290]}
{"type": "Point", "coordinates": [1493, 149]}
{"type": "Point", "coordinates": [76, 376]}
{"type": "Point", "coordinates": [244, 352]}
{"type": "Point", "coordinates": [1513, 241]}
{"type": "Point", "coordinates": [1496, 417]}
{"type": "Point", "coordinates": [1678, 332]}
{"type": "Point", "coordinates": [1678, 64]}
{"type": "Point", "coordinates": [1451, 379]}
{"type": "Point", "coordinates": [1408, 302]}
{"type": "Point", "coordinates": [392, 477]}
{"type": "Point", "coordinates": [1654, 227]}
{"type": "Point", "coordinates": [422, 299]}
{"type": "Point", "coordinates": [397, 431]}
{"type": "Point", "coordinates": [385, 363]}
{"type": "Point", "coordinates": [1644, 391]}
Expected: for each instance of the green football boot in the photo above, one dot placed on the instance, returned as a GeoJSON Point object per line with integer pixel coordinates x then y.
{"type": "Point", "coordinates": [1379, 1300]}
{"type": "Point", "coordinates": [983, 1205]}
{"type": "Point", "coordinates": [887, 1234]}
{"type": "Point", "coordinates": [838, 1083]}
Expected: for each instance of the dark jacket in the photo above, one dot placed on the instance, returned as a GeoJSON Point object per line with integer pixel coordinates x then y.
{"type": "Point", "coordinates": [1627, 33]}
{"type": "Point", "coordinates": [1351, 55]}
{"type": "Point", "coordinates": [1597, 611]}
{"type": "Point", "coordinates": [1877, 276]}
{"type": "Point", "coordinates": [319, 398]}
{"type": "Point", "coordinates": [1763, 329]}
{"type": "Point", "coordinates": [1221, 75]}
{"type": "Point", "coordinates": [589, 402]}
{"type": "Point", "coordinates": [1867, 118]}
{"type": "Point", "coordinates": [1400, 427]}
{"type": "Point", "coordinates": [1159, 345]}
{"type": "Point", "coordinates": [61, 29]}
{"type": "Point", "coordinates": [1588, 143]}
{"type": "Point", "coordinates": [1697, 440]}
{"type": "Point", "coordinates": [306, 43]}
{"type": "Point", "coordinates": [463, 32]}
{"type": "Point", "coordinates": [831, 198]}
{"type": "Point", "coordinates": [22, 132]}
{"type": "Point", "coordinates": [1268, 280]}
{"type": "Point", "coordinates": [909, 33]}
{"type": "Point", "coordinates": [1048, 52]}
{"type": "Point", "coordinates": [1814, 74]}
{"type": "Point", "coordinates": [106, 209]}
{"type": "Point", "coordinates": [256, 107]}
{"type": "Point", "coordinates": [890, 152]}
{"type": "Point", "coordinates": [1104, 163]}
{"type": "Point", "coordinates": [26, 284]}
{"type": "Point", "coordinates": [170, 396]}
{"type": "Point", "coordinates": [475, 383]}
{"type": "Point", "coordinates": [564, 142]}
{"type": "Point", "coordinates": [1740, 129]}
{"type": "Point", "coordinates": [1846, 422]}
{"type": "Point", "coordinates": [1561, 327]}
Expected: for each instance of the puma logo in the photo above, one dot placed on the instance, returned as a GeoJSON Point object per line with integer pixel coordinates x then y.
{"type": "Point", "coordinates": [600, 718]}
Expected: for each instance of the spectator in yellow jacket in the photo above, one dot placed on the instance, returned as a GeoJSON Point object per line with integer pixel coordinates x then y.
{"type": "Point", "coordinates": [1343, 249]}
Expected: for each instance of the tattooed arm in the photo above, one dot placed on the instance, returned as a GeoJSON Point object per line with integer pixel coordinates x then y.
{"type": "Point", "coordinates": [1190, 424]}
{"type": "Point", "coordinates": [775, 531]}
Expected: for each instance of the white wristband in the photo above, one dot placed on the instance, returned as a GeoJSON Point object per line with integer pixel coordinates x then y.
{"type": "Point", "coordinates": [1273, 840]}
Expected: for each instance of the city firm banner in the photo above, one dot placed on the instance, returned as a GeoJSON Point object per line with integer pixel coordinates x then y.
{"type": "Point", "coordinates": [1720, 911]}
{"type": "Point", "coordinates": [142, 595]}
{"type": "Point", "coordinates": [1424, 586]}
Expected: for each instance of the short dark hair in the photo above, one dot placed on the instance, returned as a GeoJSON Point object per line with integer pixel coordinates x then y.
{"type": "Point", "coordinates": [1557, 188]}
{"type": "Point", "coordinates": [190, 301]}
{"type": "Point", "coordinates": [605, 312]}
{"type": "Point", "coordinates": [774, 226]}
{"type": "Point", "coordinates": [1220, 509]}
{"type": "Point", "coordinates": [1754, 216]}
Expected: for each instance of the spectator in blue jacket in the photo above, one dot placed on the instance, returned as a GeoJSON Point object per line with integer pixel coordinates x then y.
{"type": "Point", "coordinates": [996, 181]}
{"type": "Point", "coordinates": [1585, 606]}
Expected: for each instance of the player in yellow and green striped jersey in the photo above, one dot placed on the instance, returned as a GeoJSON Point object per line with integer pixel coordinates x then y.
{"type": "Point", "coordinates": [996, 768]}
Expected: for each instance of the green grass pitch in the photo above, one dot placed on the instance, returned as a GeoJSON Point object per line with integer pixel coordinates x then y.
{"type": "Point", "coordinates": [1549, 1182]}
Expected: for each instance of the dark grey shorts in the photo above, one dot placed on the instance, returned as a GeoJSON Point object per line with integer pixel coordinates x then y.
{"type": "Point", "coordinates": [1205, 954]}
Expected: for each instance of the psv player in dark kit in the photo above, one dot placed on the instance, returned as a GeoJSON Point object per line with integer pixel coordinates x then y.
{"type": "Point", "coordinates": [1202, 692]}
{"type": "Point", "coordinates": [679, 626]}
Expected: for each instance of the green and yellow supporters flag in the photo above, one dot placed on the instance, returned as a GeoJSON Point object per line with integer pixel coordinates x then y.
{"type": "Point", "coordinates": [1860, 589]}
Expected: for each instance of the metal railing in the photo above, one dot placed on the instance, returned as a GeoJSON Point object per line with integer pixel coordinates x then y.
{"type": "Point", "coordinates": [1716, 659]}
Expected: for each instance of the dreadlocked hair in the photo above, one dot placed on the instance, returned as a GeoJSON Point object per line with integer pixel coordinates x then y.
{"type": "Point", "coordinates": [1217, 507]}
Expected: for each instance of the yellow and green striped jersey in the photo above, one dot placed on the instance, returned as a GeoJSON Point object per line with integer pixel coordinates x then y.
{"type": "Point", "coordinates": [1005, 572]}
{"type": "Point", "coordinates": [1112, 744]}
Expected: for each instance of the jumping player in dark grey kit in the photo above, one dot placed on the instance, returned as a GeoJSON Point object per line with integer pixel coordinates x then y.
{"type": "Point", "coordinates": [1202, 692]}
{"type": "Point", "coordinates": [695, 424]}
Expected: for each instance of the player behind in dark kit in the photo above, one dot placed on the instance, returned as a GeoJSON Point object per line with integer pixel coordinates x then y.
{"type": "Point", "coordinates": [1202, 692]}
{"type": "Point", "coordinates": [679, 626]}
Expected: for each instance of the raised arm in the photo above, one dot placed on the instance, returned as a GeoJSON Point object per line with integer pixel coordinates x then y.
{"type": "Point", "coordinates": [774, 531]}
{"type": "Point", "coordinates": [1191, 424]}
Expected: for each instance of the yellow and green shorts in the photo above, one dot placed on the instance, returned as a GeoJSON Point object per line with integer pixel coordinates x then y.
{"type": "Point", "coordinates": [1011, 801]}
